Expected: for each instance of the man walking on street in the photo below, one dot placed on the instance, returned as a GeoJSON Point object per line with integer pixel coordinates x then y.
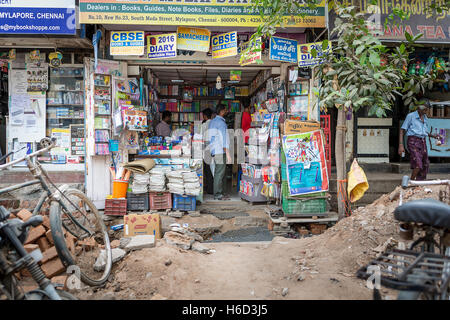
{"type": "Point", "coordinates": [417, 129]}
{"type": "Point", "coordinates": [219, 146]}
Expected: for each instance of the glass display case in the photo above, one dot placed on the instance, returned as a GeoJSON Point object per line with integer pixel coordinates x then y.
{"type": "Point", "coordinates": [65, 111]}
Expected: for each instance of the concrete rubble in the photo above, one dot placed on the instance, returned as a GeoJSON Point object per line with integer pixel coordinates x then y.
{"type": "Point", "coordinates": [185, 238]}
{"type": "Point", "coordinates": [117, 255]}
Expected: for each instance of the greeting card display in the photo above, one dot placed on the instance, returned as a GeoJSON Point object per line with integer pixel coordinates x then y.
{"type": "Point", "coordinates": [135, 120]}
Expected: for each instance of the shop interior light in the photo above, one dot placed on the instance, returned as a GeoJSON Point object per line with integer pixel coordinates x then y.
{"type": "Point", "coordinates": [178, 80]}
{"type": "Point", "coordinates": [218, 82]}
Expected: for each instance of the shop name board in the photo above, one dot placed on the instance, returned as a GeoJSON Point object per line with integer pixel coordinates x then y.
{"type": "Point", "coordinates": [306, 58]}
{"type": "Point", "coordinates": [192, 13]}
{"type": "Point", "coordinates": [224, 45]}
{"type": "Point", "coordinates": [251, 56]}
{"type": "Point", "coordinates": [434, 26]}
{"type": "Point", "coordinates": [162, 46]}
{"type": "Point", "coordinates": [282, 49]}
{"type": "Point", "coordinates": [33, 17]}
{"type": "Point", "coordinates": [193, 39]}
{"type": "Point", "coordinates": [127, 43]}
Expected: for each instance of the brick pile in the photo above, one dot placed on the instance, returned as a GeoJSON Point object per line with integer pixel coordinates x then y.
{"type": "Point", "coordinates": [40, 237]}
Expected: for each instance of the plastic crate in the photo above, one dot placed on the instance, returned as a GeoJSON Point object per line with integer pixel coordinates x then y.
{"type": "Point", "coordinates": [283, 172]}
{"type": "Point", "coordinates": [137, 201]}
{"type": "Point", "coordinates": [184, 203]}
{"type": "Point", "coordinates": [160, 200]}
{"type": "Point", "coordinates": [292, 206]}
{"type": "Point", "coordinates": [285, 192]}
{"type": "Point", "coordinates": [116, 207]}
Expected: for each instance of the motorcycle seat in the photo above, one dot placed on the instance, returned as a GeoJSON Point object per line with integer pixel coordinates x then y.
{"type": "Point", "coordinates": [427, 211]}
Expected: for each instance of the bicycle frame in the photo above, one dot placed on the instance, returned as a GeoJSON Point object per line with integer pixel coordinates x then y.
{"type": "Point", "coordinates": [36, 170]}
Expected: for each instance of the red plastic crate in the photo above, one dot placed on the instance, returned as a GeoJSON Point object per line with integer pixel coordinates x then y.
{"type": "Point", "coordinates": [160, 200]}
{"type": "Point", "coordinates": [116, 207]}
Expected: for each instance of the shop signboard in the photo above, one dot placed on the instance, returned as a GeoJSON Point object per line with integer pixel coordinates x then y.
{"type": "Point", "coordinates": [214, 13]}
{"type": "Point", "coordinates": [33, 17]}
{"type": "Point", "coordinates": [434, 26]}
{"type": "Point", "coordinates": [306, 163]}
{"type": "Point", "coordinates": [282, 49]}
{"type": "Point", "coordinates": [128, 43]}
{"type": "Point", "coordinates": [252, 56]}
{"type": "Point", "coordinates": [305, 57]}
{"type": "Point", "coordinates": [235, 75]}
{"type": "Point", "coordinates": [193, 39]}
{"type": "Point", "coordinates": [224, 45]}
{"type": "Point", "coordinates": [162, 46]}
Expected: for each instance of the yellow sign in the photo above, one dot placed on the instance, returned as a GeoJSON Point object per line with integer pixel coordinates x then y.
{"type": "Point", "coordinates": [252, 56]}
{"type": "Point", "coordinates": [218, 13]}
{"type": "Point", "coordinates": [193, 39]}
{"type": "Point", "coordinates": [306, 59]}
{"type": "Point", "coordinates": [128, 43]}
{"type": "Point", "coordinates": [224, 45]}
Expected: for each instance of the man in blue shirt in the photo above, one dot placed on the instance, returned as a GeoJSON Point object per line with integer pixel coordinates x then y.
{"type": "Point", "coordinates": [219, 145]}
{"type": "Point", "coordinates": [417, 129]}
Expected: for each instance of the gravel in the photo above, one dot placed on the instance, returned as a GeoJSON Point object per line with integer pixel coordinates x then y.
{"type": "Point", "coordinates": [243, 235]}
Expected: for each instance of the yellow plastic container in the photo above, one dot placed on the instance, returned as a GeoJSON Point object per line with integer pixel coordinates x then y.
{"type": "Point", "coordinates": [119, 189]}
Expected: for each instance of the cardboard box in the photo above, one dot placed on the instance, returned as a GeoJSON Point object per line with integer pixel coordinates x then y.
{"type": "Point", "coordinates": [296, 126]}
{"type": "Point", "coordinates": [137, 224]}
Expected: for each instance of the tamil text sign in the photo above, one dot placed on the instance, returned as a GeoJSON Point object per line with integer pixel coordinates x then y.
{"type": "Point", "coordinates": [282, 49]}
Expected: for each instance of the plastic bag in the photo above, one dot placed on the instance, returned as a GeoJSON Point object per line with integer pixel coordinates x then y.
{"type": "Point", "coordinates": [357, 182]}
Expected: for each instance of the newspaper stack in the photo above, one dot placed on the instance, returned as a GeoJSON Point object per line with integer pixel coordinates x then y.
{"type": "Point", "coordinates": [191, 183]}
{"type": "Point", "coordinates": [158, 179]}
{"type": "Point", "coordinates": [176, 183]}
{"type": "Point", "coordinates": [140, 182]}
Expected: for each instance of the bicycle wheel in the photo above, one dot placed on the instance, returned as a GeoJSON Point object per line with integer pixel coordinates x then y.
{"type": "Point", "coordinates": [78, 207]}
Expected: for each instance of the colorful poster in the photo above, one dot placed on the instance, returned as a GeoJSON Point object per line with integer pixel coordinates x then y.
{"type": "Point", "coordinates": [135, 120]}
{"type": "Point", "coordinates": [127, 43]}
{"type": "Point", "coordinates": [252, 56]}
{"type": "Point", "coordinates": [282, 49]}
{"type": "Point", "coordinates": [37, 17]}
{"type": "Point", "coordinates": [219, 13]}
{"type": "Point", "coordinates": [305, 162]}
{"type": "Point", "coordinates": [162, 46]}
{"type": "Point", "coordinates": [193, 39]}
{"type": "Point", "coordinates": [306, 59]}
{"type": "Point", "coordinates": [224, 45]}
{"type": "Point", "coordinates": [235, 75]}
{"type": "Point", "coordinates": [439, 148]}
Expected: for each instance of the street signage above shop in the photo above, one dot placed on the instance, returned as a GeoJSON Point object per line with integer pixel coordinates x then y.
{"type": "Point", "coordinates": [305, 57]}
{"type": "Point", "coordinates": [34, 17]}
{"type": "Point", "coordinates": [434, 26]}
{"type": "Point", "coordinates": [224, 45]}
{"type": "Point", "coordinates": [129, 43]}
{"type": "Point", "coordinates": [282, 49]}
{"type": "Point", "coordinates": [193, 39]}
{"type": "Point", "coordinates": [162, 46]}
{"type": "Point", "coordinates": [191, 13]}
{"type": "Point", "coordinates": [252, 56]}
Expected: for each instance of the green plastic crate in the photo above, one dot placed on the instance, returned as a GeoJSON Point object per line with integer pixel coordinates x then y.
{"type": "Point", "coordinates": [285, 192]}
{"type": "Point", "coordinates": [291, 206]}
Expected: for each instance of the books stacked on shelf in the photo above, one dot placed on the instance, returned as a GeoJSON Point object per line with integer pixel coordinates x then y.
{"type": "Point", "coordinates": [215, 92]}
{"type": "Point", "coordinates": [102, 123]}
{"type": "Point", "coordinates": [64, 98]}
{"type": "Point", "coordinates": [169, 105]}
{"type": "Point", "coordinates": [102, 113]}
{"type": "Point", "coordinates": [101, 136]}
{"type": "Point", "coordinates": [189, 106]}
{"type": "Point", "coordinates": [201, 91]}
{"type": "Point", "coordinates": [102, 149]}
{"type": "Point", "coordinates": [166, 90]}
{"type": "Point", "coordinates": [241, 91]}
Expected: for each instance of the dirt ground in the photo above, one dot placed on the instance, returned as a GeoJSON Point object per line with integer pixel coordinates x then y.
{"type": "Point", "coordinates": [318, 267]}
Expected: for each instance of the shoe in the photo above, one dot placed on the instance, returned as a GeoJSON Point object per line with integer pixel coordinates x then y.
{"type": "Point", "coordinates": [218, 197]}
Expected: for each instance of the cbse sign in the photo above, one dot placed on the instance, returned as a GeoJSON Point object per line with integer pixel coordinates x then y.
{"type": "Point", "coordinates": [282, 49]}
{"type": "Point", "coordinates": [129, 43]}
{"type": "Point", "coordinates": [34, 17]}
{"type": "Point", "coordinates": [162, 46]}
{"type": "Point", "coordinates": [224, 45]}
{"type": "Point", "coordinates": [306, 59]}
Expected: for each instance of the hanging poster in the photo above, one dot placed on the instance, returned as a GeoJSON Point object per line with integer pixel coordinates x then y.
{"type": "Point", "coordinates": [193, 39]}
{"type": "Point", "coordinates": [129, 43]}
{"type": "Point", "coordinates": [235, 75]}
{"type": "Point", "coordinates": [60, 153]}
{"type": "Point", "coordinates": [282, 49]}
{"type": "Point", "coordinates": [224, 45]}
{"type": "Point", "coordinates": [306, 59]}
{"type": "Point", "coordinates": [37, 77]}
{"type": "Point", "coordinates": [135, 120]}
{"type": "Point", "coordinates": [252, 56]}
{"type": "Point", "coordinates": [162, 46]}
{"type": "Point", "coordinates": [305, 162]}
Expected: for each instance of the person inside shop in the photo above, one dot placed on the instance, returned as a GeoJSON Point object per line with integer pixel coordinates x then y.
{"type": "Point", "coordinates": [163, 128]}
{"type": "Point", "coordinates": [209, 184]}
{"type": "Point", "coordinates": [246, 122]}
{"type": "Point", "coordinates": [417, 129]}
{"type": "Point", "coordinates": [219, 146]}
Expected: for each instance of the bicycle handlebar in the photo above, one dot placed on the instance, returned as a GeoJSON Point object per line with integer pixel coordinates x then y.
{"type": "Point", "coordinates": [31, 155]}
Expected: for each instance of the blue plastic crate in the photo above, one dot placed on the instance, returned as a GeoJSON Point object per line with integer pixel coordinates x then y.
{"type": "Point", "coordinates": [184, 203]}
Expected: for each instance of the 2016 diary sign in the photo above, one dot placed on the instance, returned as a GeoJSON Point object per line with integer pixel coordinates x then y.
{"type": "Point", "coordinates": [162, 46]}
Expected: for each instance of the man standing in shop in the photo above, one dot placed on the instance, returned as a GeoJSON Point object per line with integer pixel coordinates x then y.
{"type": "Point", "coordinates": [163, 128]}
{"type": "Point", "coordinates": [207, 115]}
{"type": "Point", "coordinates": [219, 146]}
{"type": "Point", "coordinates": [417, 129]}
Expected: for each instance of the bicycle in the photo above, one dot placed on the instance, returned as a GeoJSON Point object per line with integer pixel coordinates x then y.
{"type": "Point", "coordinates": [14, 258]}
{"type": "Point", "coordinates": [72, 210]}
{"type": "Point", "coordinates": [422, 271]}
